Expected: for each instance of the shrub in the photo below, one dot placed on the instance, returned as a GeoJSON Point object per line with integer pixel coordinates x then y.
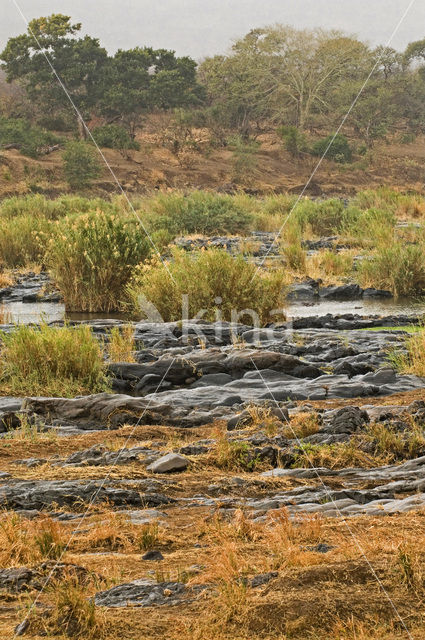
{"type": "Point", "coordinates": [80, 164]}
{"type": "Point", "coordinates": [213, 281]}
{"type": "Point", "coordinates": [244, 159]}
{"type": "Point", "coordinates": [23, 240]}
{"type": "Point", "coordinates": [294, 140]}
{"type": "Point", "coordinates": [91, 259]}
{"type": "Point", "coordinates": [397, 267]}
{"type": "Point", "coordinates": [57, 361]}
{"type": "Point", "coordinates": [30, 140]}
{"type": "Point", "coordinates": [199, 212]}
{"type": "Point", "coordinates": [340, 150]}
{"type": "Point", "coordinates": [113, 136]}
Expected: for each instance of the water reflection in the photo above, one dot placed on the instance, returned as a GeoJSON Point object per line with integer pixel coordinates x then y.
{"type": "Point", "coordinates": [25, 313]}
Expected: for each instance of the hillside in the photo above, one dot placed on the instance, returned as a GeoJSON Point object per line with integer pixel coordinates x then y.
{"type": "Point", "coordinates": [155, 167]}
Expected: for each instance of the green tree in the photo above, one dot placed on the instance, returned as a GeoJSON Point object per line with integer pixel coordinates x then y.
{"type": "Point", "coordinates": [77, 61]}
{"type": "Point", "coordinates": [81, 165]}
{"type": "Point", "coordinates": [282, 74]}
{"type": "Point", "coordinates": [142, 80]}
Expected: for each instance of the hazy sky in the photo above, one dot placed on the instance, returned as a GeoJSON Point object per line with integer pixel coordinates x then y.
{"type": "Point", "coordinates": [205, 27]}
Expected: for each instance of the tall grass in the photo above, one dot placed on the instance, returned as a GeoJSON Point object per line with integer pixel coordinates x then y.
{"type": "Point", "coordinates": [413, 360]}
{"type": "Point", "coordinates": [402, 205]}
{"type": "Point", "coordinates": [121, 344]}
{"type": "Point", "coordinates": [215, 283]}
{"type": "Point", "coordinates": [23, 240]}
{"type": "Point", "coordinates": [199, 212]}
{"type": "Point", "coordinates": [52, 361]}
{"type": "Point", "coordinates": [38, 206]}
{"type": "Point", "coordinates": [396, 267]}
{"type": "Point", "coordinates": [91, 259]}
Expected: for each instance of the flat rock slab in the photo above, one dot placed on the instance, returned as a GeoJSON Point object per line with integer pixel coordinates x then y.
{"type": "Point", "coordinates": [143, 593]}
{"type": "Point", "coordinates": [42, 494]}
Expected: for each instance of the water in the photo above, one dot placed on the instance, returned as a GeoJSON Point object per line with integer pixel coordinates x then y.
{"type": "Point", "coordinates": [364, 307]}
{"type": "Point", "coordinates": [26, 313]}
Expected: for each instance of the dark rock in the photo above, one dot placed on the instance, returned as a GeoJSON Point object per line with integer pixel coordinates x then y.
{"type": "Point", "coordinates": [143, 593]}
{"type": "Point", "coordinates": [342, 292]}
{"type": "Point", "coordinates": [153, 554]}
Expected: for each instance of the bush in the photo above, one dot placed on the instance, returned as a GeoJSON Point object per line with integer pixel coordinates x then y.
{"type": "Point", "coordinates": [205, 277]}
{"type": "Point", "coordinates": [200, 212]}
{"type": "Point", "coordinates": [56, 361]}
{"type": "Point", "coordinates": [23, 240]}
{"type": "Point", "coordinates": [113, 136]}
{"type": "Point", "coordinates": [91, 259]}
{"type": "Point", "coordinates": [340, 150]}
{"type": "Point", "coordinates": [398, 267]}
{"type": "Point", "coordinates": [31, 140]}
{"type": "Point", "coordinates": [294, 141]}
{"type": "Point", "coordinates": [244, 159]}
{"type": "Point", "coordinates": [81, 165]}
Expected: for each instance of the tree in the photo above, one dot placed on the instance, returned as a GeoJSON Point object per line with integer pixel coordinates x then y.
{"type": "Point", "coordinates": [142, 80]}
{"type": "Point", "coordinates": [282, 74]}
{"type": "Point", "coordinates": [81, 165]}
{"type": "Point", "coordinates": [77, 61]}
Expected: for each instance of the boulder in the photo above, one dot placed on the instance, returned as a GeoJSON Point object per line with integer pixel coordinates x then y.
{"type": "Point", "coordinates": [169, 463]}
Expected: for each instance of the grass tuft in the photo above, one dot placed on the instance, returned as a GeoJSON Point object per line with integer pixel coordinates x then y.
{"type": "Point", "coordinates": [57, 361]}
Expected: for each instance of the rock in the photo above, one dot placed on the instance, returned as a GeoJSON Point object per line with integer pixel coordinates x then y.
{"type": "Point", "coordinates": [153, 555]}
{"type": "Point", "coordinates": [42, 494]}
{"type": "Point", "coordinates": [376, 293]}
{"type": "Point", "coordinates": [342, 292]}
{"type": "Point", "coordinates": [143, 593]}
{"type": "Point", "coordinates": [169, 463]}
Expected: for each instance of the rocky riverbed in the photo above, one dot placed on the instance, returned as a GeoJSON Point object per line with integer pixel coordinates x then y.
{"type": "Point", "coordinates": [219, 434]}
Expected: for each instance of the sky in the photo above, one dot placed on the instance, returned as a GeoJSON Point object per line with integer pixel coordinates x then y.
{"type": "Point", "coordinates": [201, 28]}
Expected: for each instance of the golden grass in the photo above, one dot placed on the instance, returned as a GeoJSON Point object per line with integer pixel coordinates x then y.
{"type": "Point", "coordinates": [121, 344]}
{"type": "Point", "coordinates": [412, 362]}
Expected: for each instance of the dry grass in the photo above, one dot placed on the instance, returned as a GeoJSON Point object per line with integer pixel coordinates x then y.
{"type": "Point", "coordinates": [5, 316]}
{"type": "Point", "coordinates": [115, 532]}
{"type": "Point", "coordinates": [45, 360]}
{"type": "Point", "coordinates": [23, 541]}
{"type": "Point", "coordinates": [121, 344]}
{"type": "Point", "coordinates": [412, 362]}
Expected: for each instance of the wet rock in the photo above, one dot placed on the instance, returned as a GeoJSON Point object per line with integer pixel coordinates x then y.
{"type": "Point", "coordinates": [376, 293]}
{"type": "Point", "coordinates": [169, 463]}
{"type": "Point", "coordinates": [342, 292]}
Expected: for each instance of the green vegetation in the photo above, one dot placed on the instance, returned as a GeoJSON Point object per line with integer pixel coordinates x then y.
{"type": "Point", "coordinates": [199, 212]}
{"type": "Point", "coordinates": [113, 136]}
{"type": "Point", "coordinates": [56, 361]}
{"type": "Point", "coordinates": [213, 281]}
{"type": "Point", "coordinates": [398, 267]}
{"type": "Point", "coordinates": [23, 240]}
{"type": "Point", "coordinates": [81, 164]}
{"type": "Point", "coordinates": [92, 257]}
{"type": "Point", "coordinates": [413, 359]}
{"type": "Point", "coordinates": [334, 147]}
{"type": "Point", "coordinates": [30, 139]}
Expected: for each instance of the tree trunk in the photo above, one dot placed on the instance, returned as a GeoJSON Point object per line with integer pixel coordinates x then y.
{"type": "Point", "coordinates": [82, 131]}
